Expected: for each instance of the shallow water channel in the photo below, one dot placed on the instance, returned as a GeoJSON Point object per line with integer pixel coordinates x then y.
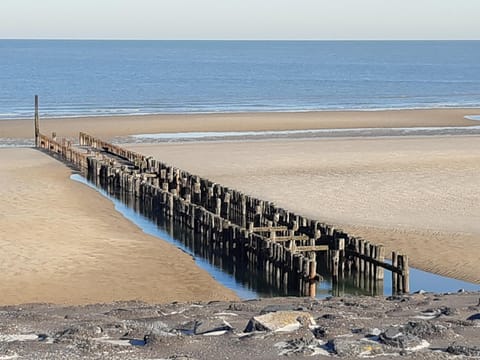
{"type": "Point", "coordinates": [246, 282]}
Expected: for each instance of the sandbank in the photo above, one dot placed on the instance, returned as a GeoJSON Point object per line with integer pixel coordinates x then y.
{"type": "Point", "coordinates": [108, 127]}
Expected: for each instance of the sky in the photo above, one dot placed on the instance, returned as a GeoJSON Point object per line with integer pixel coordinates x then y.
{"type": "Point", "coordinates": [240, 19]}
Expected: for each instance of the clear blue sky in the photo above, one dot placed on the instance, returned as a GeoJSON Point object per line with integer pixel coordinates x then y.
{"type": "Point", "coordinates": [240, 19]}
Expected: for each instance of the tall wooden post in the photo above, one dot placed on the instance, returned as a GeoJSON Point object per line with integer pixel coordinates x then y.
{"type": "Point", "coordinates": [37, 127]}
{"type": "Point", "coordinates": [312, 274]}
{"type": "Point", "coordinates": [406, 275]}
{"type": "Point", "coordinates": [394, 273]}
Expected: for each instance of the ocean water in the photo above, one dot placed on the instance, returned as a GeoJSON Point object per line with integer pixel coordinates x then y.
{"type": "Point", "coordinates": [94, 78]}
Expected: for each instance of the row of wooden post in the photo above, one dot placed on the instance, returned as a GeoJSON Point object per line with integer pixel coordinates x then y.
{"type": "Point", "coordinates": [139, 175]}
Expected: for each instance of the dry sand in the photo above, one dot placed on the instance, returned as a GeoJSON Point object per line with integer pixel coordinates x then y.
{"type": "Point", "coordinates": [62, 242]}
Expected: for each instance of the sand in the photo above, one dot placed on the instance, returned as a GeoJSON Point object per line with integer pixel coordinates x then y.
{"type": "Point", "coordinates": [64, 243]}
{"type": "Point", "coordinates": [418, 195]}
{"type": "Point", "coordinates": [107, 127]}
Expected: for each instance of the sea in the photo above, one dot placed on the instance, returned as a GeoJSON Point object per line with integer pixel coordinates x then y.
{"type": "Point", "coordinates": [96, 78]}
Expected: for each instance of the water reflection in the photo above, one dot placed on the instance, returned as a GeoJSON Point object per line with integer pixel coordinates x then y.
{"type": "Point", "coordinates": [245, 278]}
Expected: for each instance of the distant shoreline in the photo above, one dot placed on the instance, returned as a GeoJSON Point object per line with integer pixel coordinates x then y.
{"type": "Point", "coordinates": [113, 126]}
{"type": "Point", "coordinates": [241, 112]}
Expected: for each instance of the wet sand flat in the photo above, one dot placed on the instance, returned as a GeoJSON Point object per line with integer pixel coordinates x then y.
{"type": "Point", "coordinates": [111, 126]}
{"type": "Point", "coordinates": [64, 243]}
{"type": "Point", "coordinates": [418, 195]}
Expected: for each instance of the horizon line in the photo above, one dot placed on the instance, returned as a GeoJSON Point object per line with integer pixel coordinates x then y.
{"type": "Point", "coordinates": [220, 39]}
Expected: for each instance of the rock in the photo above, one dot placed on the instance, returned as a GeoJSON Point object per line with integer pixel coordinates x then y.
{"type": "Point", "coordinates": [77, 333]}
{"type": "Point", "coordinates": [448, 311]}
{"type": "Point", "coordinates": [395, 337]}
{"type": "Point", "coordinates": [347, 347]}
{"type": "Point", "coordinates": [276, 308]}
{"type": "Point", "coordinates": [241, 307]}
{"type": "Point", "coordinates": [319, 332]}
{"type": "Point", "coordinates": [329, 317]}
{"type": "Point", "coordinates": [474, 317]}
{"type": "Point", "coordinates": [302, 346]}
{"type": "Point", "coordinates": [147, 326]}
{"type": "Point", "coordinates": [463, 350]}
{"type": "Point", "coordinates": [280, 321]}
{"type": "Point", "coordinates": [373, 332]}
{"type": "Point", "coordinates": [212, 327]}
{"type": "Point", "coordinates": [429, 314]}
{"type": "Point", "coordinates": [423, 329]}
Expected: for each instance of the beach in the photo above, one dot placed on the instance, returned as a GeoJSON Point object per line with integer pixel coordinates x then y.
{"type": "Point", "coordinates": [113, 126]}
{"type": "Point", "coordinates": [62, 242]}
{"type": "Point", "coordinates": [417, 195]}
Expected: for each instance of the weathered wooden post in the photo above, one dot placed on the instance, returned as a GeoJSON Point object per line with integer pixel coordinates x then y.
{"type": "Point", "coordinates": [381, 259]}
{"type": "Point", "coordinates": [406, 275]}
{"type": "Point", "coordinates": [313, 274]}
{"type": "Point", "coordinates": [394, 273]}
{"type": "Point", "coordinates": [37, 125]}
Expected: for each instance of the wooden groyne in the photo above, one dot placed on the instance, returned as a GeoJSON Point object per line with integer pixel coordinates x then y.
{"type": "Point", "coordinates": [286, 247]}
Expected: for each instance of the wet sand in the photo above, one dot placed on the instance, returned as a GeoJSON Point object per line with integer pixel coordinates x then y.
{"type": "Point", "coordinates": [60, 239]}
{"type": "Point", "coordinates": [418, 195]}
{"type": "Point", "coordinates": [108, 127]}
{"type": "Point", "coordinates": [64, 243]}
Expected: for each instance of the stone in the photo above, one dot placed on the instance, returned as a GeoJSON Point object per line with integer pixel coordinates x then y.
{"type": "Point", "coordinates": [301, 346]}
{"type": "Point", "coordinates": [463, 350]}
{"type": "Point", "coordinates": [395, 337]}
{"type": "Point", "coordinates": [148, 326]}
{"type": "Point", "coordinates": [474, 317]}
{"type": "Point", "coordinates": [280, 321]}
{"type": "Point", "coordinates": [212, 327]}
{"type": "Point", "coordinates": [375, 332]}
{"type": "Point", "coordinates": [319, 332]}
{"type": "Point", "coordinates": [78, 333]}
{"type": "Point", "coordinates": [329, 316]}
{"type": "Point", "coordinates": [276, 308]}
{"type": "Point", "coordinates": [348, 347]}
{"type": "Point", "coordinates": [423, 329]}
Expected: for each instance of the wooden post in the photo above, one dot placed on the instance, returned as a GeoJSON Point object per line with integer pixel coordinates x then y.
{"type": "Point", "coordinates": [335, 264]}
{"type": "Point", "coordinates": [380, 258]}
{"type": "Point", "coordinates": [406, 275]}
{"type": "Point", "coordinates": [312, 274]}
{"type": "Point", "coordinates": [37, 126]}
{"type": "Point", "coordinates": [394, 274]}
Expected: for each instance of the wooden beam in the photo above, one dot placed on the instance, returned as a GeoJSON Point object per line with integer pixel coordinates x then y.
{"type": "Point", "coordinates": [385, 265]}
{"type": "Point", "coordinates": [291, 238]}
{"type": "Point", "coordinates": [310, 248]}
{"type": "Point", "coordinates": [269, 228]}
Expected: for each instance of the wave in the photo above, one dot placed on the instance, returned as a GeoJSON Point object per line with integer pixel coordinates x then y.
{"type": "Point", "coordinates": [101, 112]}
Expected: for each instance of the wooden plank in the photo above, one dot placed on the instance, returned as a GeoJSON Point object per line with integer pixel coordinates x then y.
{"type": "Point", "coordinates": [269, 228]}
{"type": "Point", "coordinates": [291, 238]}
{"type": "Point", "coordinates": [310, 248]}
{"type": "Point", "coordinates": [376, 262]}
